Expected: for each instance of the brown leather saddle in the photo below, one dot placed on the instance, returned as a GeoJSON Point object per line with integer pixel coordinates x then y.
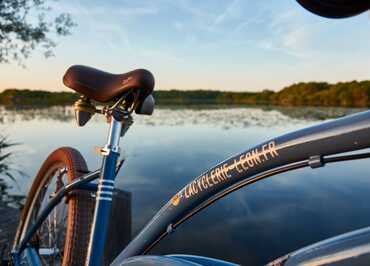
{"type": "Point", "coordinates": [104, 87]}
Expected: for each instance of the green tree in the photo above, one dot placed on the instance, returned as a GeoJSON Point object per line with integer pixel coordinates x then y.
{"type": "Point", "coordinates": [28, 24]}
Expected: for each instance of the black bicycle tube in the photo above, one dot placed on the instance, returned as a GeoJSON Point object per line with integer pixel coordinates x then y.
{"type": "Point", "coordinates": [250, 181]}
{"type": "Point", "coordinates": [264, 175]}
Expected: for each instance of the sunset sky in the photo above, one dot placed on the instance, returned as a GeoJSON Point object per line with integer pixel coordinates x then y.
{"type": "Point", "coordinates": [234, 45]}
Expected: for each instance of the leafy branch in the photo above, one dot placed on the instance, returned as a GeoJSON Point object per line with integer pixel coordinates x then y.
{"type": "Point", "coordinates": [28, 24]}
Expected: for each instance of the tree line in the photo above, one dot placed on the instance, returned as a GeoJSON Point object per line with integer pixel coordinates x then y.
{"type": "Point", "coordinates": [345, 94]}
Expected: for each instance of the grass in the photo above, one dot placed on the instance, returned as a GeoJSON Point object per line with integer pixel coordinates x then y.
{"type": "Point", "coordinates": [7, 170]}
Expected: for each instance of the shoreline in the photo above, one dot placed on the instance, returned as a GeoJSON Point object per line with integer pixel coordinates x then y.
{"type": "Point", "coordinates": [9, 219]}
{"type": "Point", "coordinates": [316, 94]}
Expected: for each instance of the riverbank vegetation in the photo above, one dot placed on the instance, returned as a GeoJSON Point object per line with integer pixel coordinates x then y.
{"type": "Point", "coordinates": [344, 94]}
{"type": "Point", "coordinates": [8, 173]}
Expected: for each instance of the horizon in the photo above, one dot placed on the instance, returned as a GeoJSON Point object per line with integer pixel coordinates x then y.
{"type": "Point", "coordinates": [258, 46]}
{"type": "Point", "coordinates": [200, 89]}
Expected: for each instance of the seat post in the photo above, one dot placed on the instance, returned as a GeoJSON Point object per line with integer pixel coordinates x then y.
{"type": "Point", "coordinates": [103, 204]}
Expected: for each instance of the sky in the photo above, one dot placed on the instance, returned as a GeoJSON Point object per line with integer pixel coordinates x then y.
{"type": "Point", "coordinates": [233, 45]}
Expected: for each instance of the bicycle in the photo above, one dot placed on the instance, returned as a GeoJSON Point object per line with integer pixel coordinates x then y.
{"type": "Point", "coordinates": [55, 232]}
{"type": "Point", "coordinates": [76, 229]}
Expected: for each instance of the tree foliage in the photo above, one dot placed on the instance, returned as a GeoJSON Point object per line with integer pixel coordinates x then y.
{"type": "Point", "coordinates": [14, 97]}
{"type": "Point", "coordinates": [26, 25]}
{"type": "Point", "coordinates": [344, 94]}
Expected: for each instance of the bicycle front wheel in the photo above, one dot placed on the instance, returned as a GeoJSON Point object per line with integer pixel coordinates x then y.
{"type": "Point", "coordinates": [63, 237]}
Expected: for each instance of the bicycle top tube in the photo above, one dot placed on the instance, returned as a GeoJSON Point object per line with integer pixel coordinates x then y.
{"type": "Point", "coordinates": [341, 135]}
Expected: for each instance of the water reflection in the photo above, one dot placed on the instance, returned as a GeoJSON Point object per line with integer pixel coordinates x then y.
{"type": "Point", "coordinates": [58, 113]}
{"type": "Point", "coordinates": [180, 115]}
{"type": "Point", "coordinates": [164, 152]}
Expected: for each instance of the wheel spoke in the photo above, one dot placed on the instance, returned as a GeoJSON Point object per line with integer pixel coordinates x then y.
{"type": "Point", "coordinates": [53, 231]}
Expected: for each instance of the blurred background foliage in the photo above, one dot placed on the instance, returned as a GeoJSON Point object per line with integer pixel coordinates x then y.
{"type": "Point", "coordinates": [341, 94]}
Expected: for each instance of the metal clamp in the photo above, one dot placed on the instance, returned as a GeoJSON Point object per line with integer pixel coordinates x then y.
{"type": "Point", "coordinates": [316, 161]}
{"type": "Point", "coordinates": [169, 229]}
{"type": "Point", "coordinates": [106, 150]}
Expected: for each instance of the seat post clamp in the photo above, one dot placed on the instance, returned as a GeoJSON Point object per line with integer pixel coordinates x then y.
{"type": "Point", "coordinates": [120, 114]}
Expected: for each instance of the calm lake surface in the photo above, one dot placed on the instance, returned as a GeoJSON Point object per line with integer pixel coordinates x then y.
{"type": "Point", "coordinates": [166, 151]}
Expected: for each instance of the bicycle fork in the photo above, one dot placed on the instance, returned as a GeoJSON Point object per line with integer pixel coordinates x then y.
{"type": "Point", "coordinates": [105, 189]}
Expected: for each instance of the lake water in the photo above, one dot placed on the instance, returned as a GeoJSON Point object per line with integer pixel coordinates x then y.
{"type": "Point", "coordinates": [166, 151]}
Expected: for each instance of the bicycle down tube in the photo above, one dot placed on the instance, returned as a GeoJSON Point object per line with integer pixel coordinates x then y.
{"type": "Point", "coordinates": [346, 134]}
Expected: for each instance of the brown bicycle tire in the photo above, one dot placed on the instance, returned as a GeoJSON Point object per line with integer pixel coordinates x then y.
{"type": "Point", "coordinates": [80, 205]}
